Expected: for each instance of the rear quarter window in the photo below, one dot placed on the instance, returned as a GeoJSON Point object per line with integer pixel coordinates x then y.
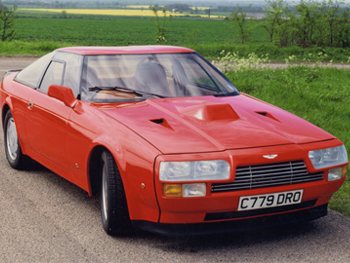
{"type": "Point", "coordinates": [31, 75]}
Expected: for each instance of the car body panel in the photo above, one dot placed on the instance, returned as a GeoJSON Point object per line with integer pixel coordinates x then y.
{"type": "Point", "coordinates": [125, 50]}
{"type": "Point", "coordinates": [195, 123]}
{"type": "Point", "coordinates": [47, 120]}
{"type": "Point", "coordinates": [90, 127]}
{"type": "Point", "coordinates": [18, 102]}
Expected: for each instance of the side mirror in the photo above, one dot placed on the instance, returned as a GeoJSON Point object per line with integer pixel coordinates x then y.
{"type": "Point", "coordinates": [63, 94]}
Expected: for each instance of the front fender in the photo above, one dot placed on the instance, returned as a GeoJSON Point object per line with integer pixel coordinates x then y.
{"type": "Point", "coordinates": [135, 160]}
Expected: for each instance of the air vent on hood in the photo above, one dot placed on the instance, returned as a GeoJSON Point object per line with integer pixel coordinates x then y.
{"type": "Point", "coordinates": [266, 114]}
{"type": "Point", "coordinates": [158, 121]}
{"type": "Point", "coordinates": [261, 113]}
{"type": "Point", "coordinates": [210, 113]}
{"type": "Point", "coordinates": [162, 122]}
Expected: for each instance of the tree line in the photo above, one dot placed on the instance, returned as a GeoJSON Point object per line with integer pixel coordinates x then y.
{"type": "Point", "coordinates": [309, 23]}
{"type": "Point", "coordinates": [66, 4]}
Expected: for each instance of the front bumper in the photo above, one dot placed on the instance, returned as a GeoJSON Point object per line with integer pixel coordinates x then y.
{"type": "Point", "coordinates": [223, 206]}
{"type": "Point", "coordinates": [233, 225]}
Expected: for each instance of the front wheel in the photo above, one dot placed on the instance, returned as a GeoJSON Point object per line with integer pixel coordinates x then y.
{"type": "Point", "coordinates": [13, 150]}
{"type": "Point", "coordinates": [114, 209]}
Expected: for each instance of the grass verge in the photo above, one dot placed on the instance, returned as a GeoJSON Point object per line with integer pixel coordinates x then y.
{"type": "Point", "coordinates": [319, 95]}
{"type": "Point", "coordinates": [210, 51]}
{"type": "Point", "coordinates": [276, 54]}
{"type": "Point", "coordinates": [17, 47]}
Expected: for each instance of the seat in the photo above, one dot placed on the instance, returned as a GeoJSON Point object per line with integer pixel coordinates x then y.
{"type": "Point", "coordinates": [151, 77]}
{"type": "Point", "coordinates": [92, 79]}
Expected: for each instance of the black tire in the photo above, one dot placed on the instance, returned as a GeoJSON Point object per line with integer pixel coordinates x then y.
{"type": "Point", "coordinates": [114, 209]}
{"type": "Point", "coordinates": [14, 155]}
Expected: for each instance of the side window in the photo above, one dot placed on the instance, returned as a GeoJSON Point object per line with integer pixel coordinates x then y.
{"type": "Point", "coordinates": [53, 75]}
{"type": "Point", "coordinates": [72, 72]}
{"type": "Point", "coordinates": [31, 74]}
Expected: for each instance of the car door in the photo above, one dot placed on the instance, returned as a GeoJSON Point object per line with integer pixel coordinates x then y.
{"type": "Point", "coordinates": [26, 81]}
{"type": "Point", "coordinates": [47, 117]}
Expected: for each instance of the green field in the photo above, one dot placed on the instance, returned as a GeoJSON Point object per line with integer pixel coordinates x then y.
{"type": "Point", "coordinates": [123, 31]}
{"type": "Point", "coordinates": [208, 37]}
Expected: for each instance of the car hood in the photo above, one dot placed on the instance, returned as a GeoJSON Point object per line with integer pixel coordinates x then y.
{"type": "Point", "coordinates": [207, 124]}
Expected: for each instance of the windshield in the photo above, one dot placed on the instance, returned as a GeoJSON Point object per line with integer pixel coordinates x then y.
{"type": "Point", "coordinates": [113, 78]}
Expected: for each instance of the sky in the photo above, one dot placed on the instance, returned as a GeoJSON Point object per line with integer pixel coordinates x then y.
{"type": "Point", "coordinates": [186, 1]}
{"type": "Point", "coordinates": [217, 2]}
{"type": "Point", "coordinates": [189, 2]}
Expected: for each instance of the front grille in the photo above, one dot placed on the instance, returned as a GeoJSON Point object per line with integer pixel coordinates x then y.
{"type": "Point", "coordinates": [268, 175]}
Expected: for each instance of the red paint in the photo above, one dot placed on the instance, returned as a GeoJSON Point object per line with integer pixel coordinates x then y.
{"type": "Point", "coordinates": [63, 94]}
{"type": "Point", "coordinates": [125, 50]}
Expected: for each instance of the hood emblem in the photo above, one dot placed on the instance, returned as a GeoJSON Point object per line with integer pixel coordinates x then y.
{"type": "Point", "coordinates": [271, 156]}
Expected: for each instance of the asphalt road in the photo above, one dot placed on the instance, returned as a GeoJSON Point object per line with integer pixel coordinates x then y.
{"type": "Point", "coordinates": [47, 219]}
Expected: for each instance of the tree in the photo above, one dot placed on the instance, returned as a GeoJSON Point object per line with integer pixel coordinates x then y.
{"type": "Point", "coordinates": [274, 16]}
{"type": "Point", "coordinates": [7, 23]}
{"type": "Point", "coordinates": [64, 14]}
{"type": "Point", "coordinates": [161, 27]}
{"type": "Point", "coordinates": [240, 17]}
{"type": "Point", "coordinates": [344, 28]}
{"type": "Point", "coordinates": [308, 18]}
{"type": "Point", "coordinates": [207, 11]}
{"type": "Point", "coordinates": [280, 22]}
{"type": "Point", "coordinates": [336, 20]}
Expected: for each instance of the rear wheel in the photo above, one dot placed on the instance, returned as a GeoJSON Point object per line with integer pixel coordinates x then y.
{"type": "Point", "coordinates": [13, 150]}
{"type": "Point", "coordinates": [114, 209]}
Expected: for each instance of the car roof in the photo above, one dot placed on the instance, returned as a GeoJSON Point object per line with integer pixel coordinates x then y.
{"type": "Point", "coordinates": [125, 50]}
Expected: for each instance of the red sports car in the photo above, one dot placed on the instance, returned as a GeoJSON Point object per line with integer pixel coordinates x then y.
{"type": "Point", "coordinates": [168, 142]}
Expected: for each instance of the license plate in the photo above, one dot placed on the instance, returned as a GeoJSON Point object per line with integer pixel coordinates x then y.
{"type": "Point", "coordinates": [253, 202]}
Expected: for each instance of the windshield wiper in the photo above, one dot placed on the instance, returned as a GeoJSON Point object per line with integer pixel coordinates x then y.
{"type": "Point", "coordinates": [224, 94]}
{"type": "Point", "coordinates": [126, 90]}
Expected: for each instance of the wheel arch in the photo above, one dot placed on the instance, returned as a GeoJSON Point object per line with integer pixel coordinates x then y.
{"type": "Point", "coordinates": [94, 167]}
{"type": "Point", "coordinates": [4, 111]}
{"type": "Point", "coordinates": [5, 107]}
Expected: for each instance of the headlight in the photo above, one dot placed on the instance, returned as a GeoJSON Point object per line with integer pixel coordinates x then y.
{"type": "Point", "coordinates": [328, 157]}
{"type": "Point", "coordinates": [184, 190]}
{"type": "Point", "coordinates": [194, 171]}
